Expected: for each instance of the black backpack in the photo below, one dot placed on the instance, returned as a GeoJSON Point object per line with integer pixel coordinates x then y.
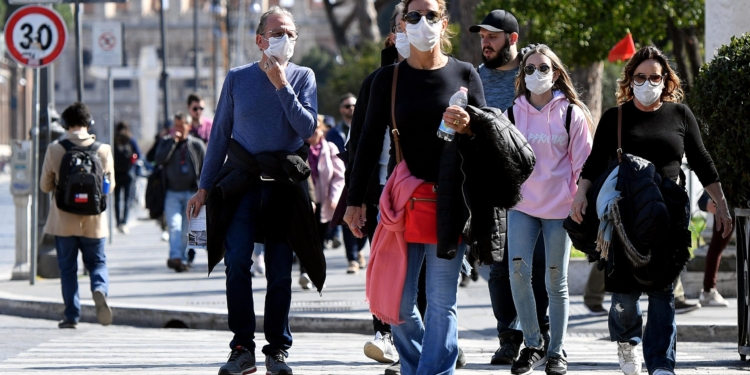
{"type": "Point", "coordinates": [123, 155]}
{"type": "Point", "coordinates": [79, 188]}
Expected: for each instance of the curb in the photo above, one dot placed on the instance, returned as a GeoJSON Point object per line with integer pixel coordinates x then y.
{"type": "Point", "coordinates": [162, 317]}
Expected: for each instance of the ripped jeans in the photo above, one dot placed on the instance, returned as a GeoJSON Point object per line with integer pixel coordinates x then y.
{"type": "Point", "coordinates": [523, 231]}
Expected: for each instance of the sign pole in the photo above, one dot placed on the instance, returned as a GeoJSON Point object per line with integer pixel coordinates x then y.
{"type": "Point", "coordinates": [111, 111]}
{"type": "Point", "coordinates": [79, 57]}
{"type": "Point", "coordinates": [34, 181]}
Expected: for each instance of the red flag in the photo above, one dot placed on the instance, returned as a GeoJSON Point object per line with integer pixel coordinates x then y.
{"type": "Point", "coordinates": [623, 50]}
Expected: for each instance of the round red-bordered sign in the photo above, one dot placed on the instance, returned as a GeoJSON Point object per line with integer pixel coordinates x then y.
{"type": "Point", "coordinates": [35, 36]}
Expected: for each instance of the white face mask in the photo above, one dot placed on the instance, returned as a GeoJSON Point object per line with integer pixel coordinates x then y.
{"type": "Point", "coordinates": [282, 49]}
{"type": "Point", "coordinates": [647, 93]}
{"type": "Point", "coordinates": [402, 45]}
{"type": "Point", "coordinates": [539, 83]}
{"type": "Point", "coordinates": [423, 35]}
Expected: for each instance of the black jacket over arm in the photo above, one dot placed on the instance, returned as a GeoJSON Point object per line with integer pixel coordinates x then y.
{"type": "Point", "coordinates": [287, 217]}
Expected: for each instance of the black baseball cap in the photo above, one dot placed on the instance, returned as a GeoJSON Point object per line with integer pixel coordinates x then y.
{"type": "Point", "coordinates": [498, 20]}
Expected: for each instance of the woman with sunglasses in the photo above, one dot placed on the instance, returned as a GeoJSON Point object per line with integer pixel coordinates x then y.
{"type": "Point", "coordinates": [658, 128]}
{"type": "Point", "coordinates": [426, 80]}
{"type": "Point", "coordinates": [556, 123]}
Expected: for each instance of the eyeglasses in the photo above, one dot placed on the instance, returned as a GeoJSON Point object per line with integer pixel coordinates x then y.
{"type": "Point", "coordinates": [529, 69]}
{"type": "Point", "coordinates": [279, 33]}
{"type": "Point", "coordinates": [196, 109]}
{"type": "Point", "coordinates": [347, 106]}
{"type": "Point", "coordinates": [654, 79]}
{"type": "Point", "coordinates": [415, 16]}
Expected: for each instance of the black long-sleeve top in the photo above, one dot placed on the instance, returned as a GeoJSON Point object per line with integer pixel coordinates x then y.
{"type": "Point", "coordinates": [661, 137]}
{"type": "Point", "coordinates": [421, 99]}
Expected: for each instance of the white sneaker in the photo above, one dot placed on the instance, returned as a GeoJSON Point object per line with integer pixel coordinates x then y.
{"type": "Point", "coordinates": [712, 298]}
{"type": "Point", "coordinates": [124, 229]}
{"type": "Point", "coordinates": [630, 361]}
{"type": "Point", "coordinates": [165, 236]}
{"type": "Point", "coordinates": [259, 265]}
{"type": "Point", "coordinates": [305, 282]}
{"type": "Point", "coordinates": [381, 348]}
{"type": "Point", "coordinates": [662, 371]}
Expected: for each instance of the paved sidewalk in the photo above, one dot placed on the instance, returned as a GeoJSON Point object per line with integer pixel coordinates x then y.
{"type": "Point", "coordinates": [144, 292]}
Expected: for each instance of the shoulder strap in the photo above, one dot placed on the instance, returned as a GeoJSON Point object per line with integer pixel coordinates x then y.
{"type": "Point", "coordinates": [510, 115]}
{"type": "Point", "coordinates": [567, 120]}
{"type": "Point", "coordinates": [67, 144]}
{"type": "Point", "coordinates": [619, 133]}
{"type": "Point", "coordinates": [399, 154]}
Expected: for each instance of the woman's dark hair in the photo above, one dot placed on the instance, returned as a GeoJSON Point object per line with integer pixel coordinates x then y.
{"type": "Point", "coordinates": [77, 114]}
{"type": "Point", "coordinates": [122, 133]}
{"type": "Point", "coordinates": [672, 90]}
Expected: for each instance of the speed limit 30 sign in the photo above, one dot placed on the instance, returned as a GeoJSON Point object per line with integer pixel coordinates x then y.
{"type": "Point", "coordinates": [35, 36]}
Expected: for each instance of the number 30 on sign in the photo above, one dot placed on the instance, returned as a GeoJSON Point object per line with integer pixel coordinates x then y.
{"type": "Point", "coordinates": [35, 36]}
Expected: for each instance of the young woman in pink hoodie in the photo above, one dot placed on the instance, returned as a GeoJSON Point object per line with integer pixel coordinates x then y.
{"type": "Point", "coordinates": [544, 94]}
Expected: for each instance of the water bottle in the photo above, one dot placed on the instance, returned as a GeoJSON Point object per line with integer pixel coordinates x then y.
{"type": "Point", "coordinates": [105, 185]}
{"type": "Point", "coordinates": [460, 99]}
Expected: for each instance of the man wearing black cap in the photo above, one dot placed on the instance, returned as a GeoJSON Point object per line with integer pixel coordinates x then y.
{"type": "Point", "coordinates": [499, 34]}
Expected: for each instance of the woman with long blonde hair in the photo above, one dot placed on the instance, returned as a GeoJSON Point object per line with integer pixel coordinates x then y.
{"type": "Point", "coordinates": [556, 123]}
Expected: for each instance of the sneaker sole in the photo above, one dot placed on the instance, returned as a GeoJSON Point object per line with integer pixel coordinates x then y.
{"type": "Point", "coordinates": [279, 373]}
{"type": "Point", "coordinates": [374, 352]}
{"type": "Point", "coordinates": [533, 367]}
{"type": "Point", "coordinates": [103, 312]}
{"type": "Point", "coordinates": [243, 372]}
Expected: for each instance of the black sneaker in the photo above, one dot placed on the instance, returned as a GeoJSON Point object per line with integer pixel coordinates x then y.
{"type": "Point", "coordinates": [556, 366]}
{"type": "Point", "coordinates": [276, 364]}
{"type": "Point", "coordinates": [241, 362]}
{"type": "Point", "coordinates": [507, 353]}
{"type": "Point", "coordinates": [529, 359]}
{"type": "Point", "coordinates": [394, 369]}
{"type": "Point", "coordinates": [64, 324]}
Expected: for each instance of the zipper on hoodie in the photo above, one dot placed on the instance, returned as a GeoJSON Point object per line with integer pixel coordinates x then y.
{"type": "Point", "coordinates": [467, 225]}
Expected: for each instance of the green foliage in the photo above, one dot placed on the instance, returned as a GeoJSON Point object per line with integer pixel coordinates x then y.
{"type": "Point", "coordinates": [612, 72]}
{"type": "Point", "coordinates": [720, 103]}
{"type": "Point", "coordinates": [66, 13]}
{"type": "Point", "coordinates": [582, 32]}
{"type": "Point", "coordinates": [342, 74]}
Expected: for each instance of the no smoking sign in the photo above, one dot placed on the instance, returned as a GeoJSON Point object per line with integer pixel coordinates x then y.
{"type": "Point", "coordinates": [35, 36]}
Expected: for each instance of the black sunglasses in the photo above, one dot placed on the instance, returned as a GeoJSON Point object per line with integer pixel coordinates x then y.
{"type": "Point", "coordinates": [415, 16]}
{"type": "Point", "coordinates": [640, 79]}
{"type": "Point", "coordinates": [529, 69]}
{"type": "Point", "coordinates": [197, 108]}
{"type": "Point", "coordinates": [347, 106]}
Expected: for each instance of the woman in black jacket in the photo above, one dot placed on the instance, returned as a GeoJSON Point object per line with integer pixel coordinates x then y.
{"type": "Point", "coordinates": [658, 128]}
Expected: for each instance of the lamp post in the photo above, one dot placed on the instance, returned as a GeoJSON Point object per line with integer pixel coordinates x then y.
{"type": "Point", "coordinates": [164, 74]}
{"type": "Point", "coordinates": [195, 45]}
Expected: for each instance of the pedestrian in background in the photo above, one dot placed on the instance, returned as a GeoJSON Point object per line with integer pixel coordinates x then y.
{"type": "Point", "coordinates": [181, 156]}
{"type": "Point", "coordinates": [72, 231]}
{"type": "Point", "coordinates": [200, 126]}
{"type": "Point", "coordinates": [126, 153]}
{"type": "Point", "coordinates": [545, 99]}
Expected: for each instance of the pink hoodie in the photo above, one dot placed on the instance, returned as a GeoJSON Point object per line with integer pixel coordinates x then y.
{"type": "Point", "coordinates": [549, 191]}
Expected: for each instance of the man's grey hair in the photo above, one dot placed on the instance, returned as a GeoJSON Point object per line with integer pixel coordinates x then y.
{"type": "Point", "coordinates": [277, 10]}
{"type": "Point", "coordinates": [182, 117]}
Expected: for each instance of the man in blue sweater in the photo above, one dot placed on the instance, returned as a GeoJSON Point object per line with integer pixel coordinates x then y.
{"type": "Point", "coordinates": [266, 106]}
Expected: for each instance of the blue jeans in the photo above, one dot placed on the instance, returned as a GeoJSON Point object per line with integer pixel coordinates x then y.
{"type": "Point", "coordinates": [175, 206]}
{"type": "Point", "coordinates": [238, 258]}
{"type": "Point", "coordinates": [353, 245]}
{"type": "Point", "coordinates": [92, 251]}
{"type": "Point", "coordinates": [429, 347]}
{"type": "Point", "coordinates": [523, 231]}
{"type": "Point", "coordinates": [626, 325]}
{"type": "Point", "coordinates": [124, 193]}
{"type": "Point", "coordinates": [502, 297]}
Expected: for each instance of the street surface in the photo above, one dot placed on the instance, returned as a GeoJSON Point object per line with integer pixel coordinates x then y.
{"type": "Point", "coordinates": [32, 346]}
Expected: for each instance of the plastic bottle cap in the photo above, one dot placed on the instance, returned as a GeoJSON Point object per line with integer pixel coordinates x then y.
{"type": "Point", "coordinates": [464, 89]}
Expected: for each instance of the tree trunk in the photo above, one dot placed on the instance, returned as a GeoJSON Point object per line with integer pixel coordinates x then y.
{"type": "Point", "coordinates": [339, 33]}
{"type": "Point", "coordinates": [678, 49]}
{"type": "Point", "coordinates": [368, 21]}
{"type": "Point", "coordinates": [692, 47]}
{"type": "Point", "coordinates": [588, 82]}
{"type": "Point", "coordinates": [470, 49]}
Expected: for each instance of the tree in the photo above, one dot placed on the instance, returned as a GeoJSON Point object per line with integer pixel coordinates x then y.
{"type": "Point", "coordinates": [465, 16]}
{"type": "Point", "coordinates": [364, 12]}
{"type": "Point", "coordinates": [581, 32]}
